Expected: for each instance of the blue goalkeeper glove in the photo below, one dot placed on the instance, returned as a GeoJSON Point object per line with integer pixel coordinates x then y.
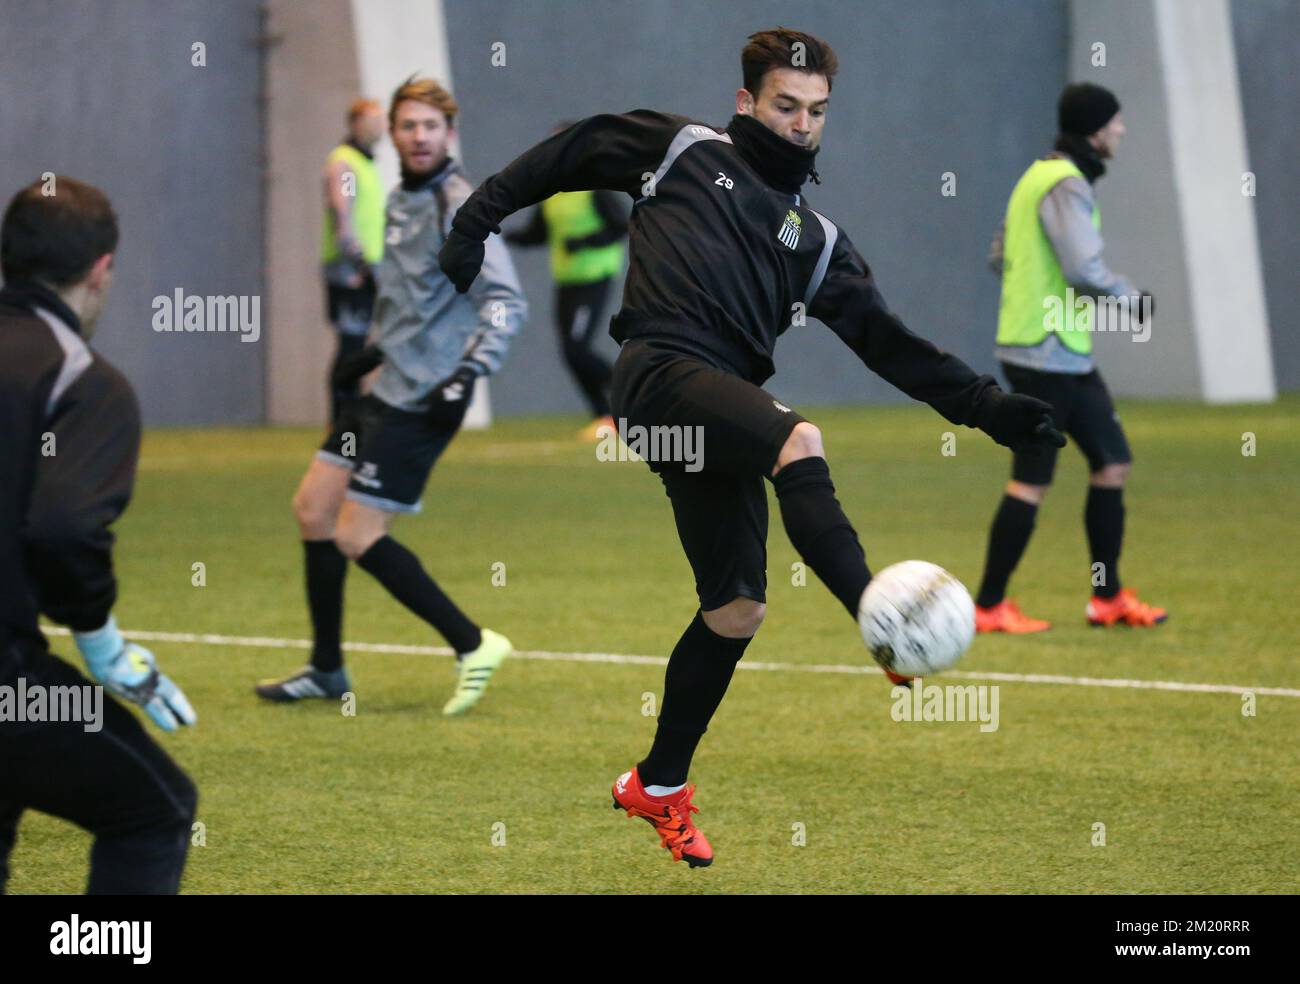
{"type": "Point", "coordinates": [131, 672]}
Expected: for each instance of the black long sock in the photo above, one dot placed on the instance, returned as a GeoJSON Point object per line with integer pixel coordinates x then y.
{"type": "Point", "coordinates": [820, 532]}
{"type": "Point", "coordinates": [1012, 526]}
{"type": "Point", "coordinates": [699, 671]}
{"type": "Point", "coordinates": [326, 569]}
{"type": "Point", "coordinates": [401, 573]}
{"type": "Point", "coordinates": [1103, 517]}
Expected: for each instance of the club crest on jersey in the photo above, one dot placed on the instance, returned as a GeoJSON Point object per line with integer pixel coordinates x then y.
{"type": "Point", "coordinates": [789, 232]}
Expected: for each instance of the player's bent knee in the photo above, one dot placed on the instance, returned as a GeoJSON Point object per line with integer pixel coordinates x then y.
{"type": "Point", "coordinates": [1112, 476]}
{"type": "Point", "coordinates": [168, 806]}
{"type": "Point", "coordinates": [739, 618]}
{"type": "Point", "coordinates": [1025, 492]}
{"type": "Point", "coordinates": [185, 796]}
{"type": "Point", "coordinates": [315, 518]}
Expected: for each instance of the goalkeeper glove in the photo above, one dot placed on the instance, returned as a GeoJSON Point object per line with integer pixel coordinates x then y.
{"type": "Point", "coordinates": [131, 672]}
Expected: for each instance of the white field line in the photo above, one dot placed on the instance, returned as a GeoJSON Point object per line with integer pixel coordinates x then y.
{"type": "Point", "coordinates": [272, 642]}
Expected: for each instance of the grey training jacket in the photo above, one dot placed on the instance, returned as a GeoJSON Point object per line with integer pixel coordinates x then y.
{"type": "Point", "coordinates": [425, 329]}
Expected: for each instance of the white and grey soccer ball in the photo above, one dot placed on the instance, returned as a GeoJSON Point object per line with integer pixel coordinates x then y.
{"type": "Point", "coordinates": [916, 618]}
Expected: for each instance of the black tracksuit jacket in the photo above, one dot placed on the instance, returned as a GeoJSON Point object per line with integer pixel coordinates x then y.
{"type": "Point", "coordinates": [69, 441]}
{"type": "Point", "coordinates": [711, 255]}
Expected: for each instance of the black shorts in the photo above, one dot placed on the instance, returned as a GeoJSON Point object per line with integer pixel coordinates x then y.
{"type": "Point", "coordinates": [718, 496]}
{"type": "Point", "coordinates": [1082, 408]}
{"type": "Point", "coordinates": [113, 780]}
{"type": "Point", "coordinates": [390, 452]}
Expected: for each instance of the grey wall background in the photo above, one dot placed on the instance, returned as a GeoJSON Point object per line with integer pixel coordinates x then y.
{"type": "Point", "coordinates": [1267, 37]}
{"type": "Point", "coordinates": [923, 88]}
{"type": "Point", "coordinates": [1144, 240]}
{"type": "Point", "coordinates": [105, 92]}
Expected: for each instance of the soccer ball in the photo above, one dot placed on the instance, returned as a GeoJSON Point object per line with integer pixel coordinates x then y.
{"type": "Point", "coordinates": [916, 618]}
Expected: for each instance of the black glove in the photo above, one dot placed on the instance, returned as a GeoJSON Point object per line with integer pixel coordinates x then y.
{"type": "Point", "coordinates": [356, 365]}
{"type": "Point", "coordinates": [1018, 422]}
{"type": "Point", "coordinates": [450, 398]}
{"type": "Point", "coordinates": [461, 258]}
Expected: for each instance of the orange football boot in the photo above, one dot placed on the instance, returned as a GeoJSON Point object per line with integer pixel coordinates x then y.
{"type": "Point", "coordinates": [594, 432]}
{"type": "Point", "coordinates": [896, 679]}
{"type": "Point", "coordinates": [1006, 616]}
{"type": "Point", "coordinates": [669, 815]}
{"type": "Point", "coordinates": [1124, 608]}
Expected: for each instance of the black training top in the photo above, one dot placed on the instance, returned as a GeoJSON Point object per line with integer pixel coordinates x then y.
{"type": "Point", "coordinates": [724, 252]}
{"type": "Point", "coordinates": [69, 440]}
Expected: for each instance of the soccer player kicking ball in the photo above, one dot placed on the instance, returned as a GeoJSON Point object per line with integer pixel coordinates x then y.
{"type": "Point", "coordinates": [724, 251]}
{"type": "Point", "coordinates": [1049, 249]}
{"type": "Point", "coordinates": [432, 344]}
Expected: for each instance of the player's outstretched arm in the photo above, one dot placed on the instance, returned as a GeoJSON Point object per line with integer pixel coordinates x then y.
{"type": "Point", "coordinates": [610, 151]}
{"type": "Point", "coordinates": [850, 303]}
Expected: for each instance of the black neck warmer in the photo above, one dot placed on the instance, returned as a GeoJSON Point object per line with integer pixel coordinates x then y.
{"type": "Point", "coordinates": [1082, 153]}
{"type": "Point", "coordinates": [31, 295]}
{"type": "Point", "coordinates": [783, 165]}
{"type": "Point", "coordinates": [359, 149]}
{"type": "Point", "coordinates": [411, 181]}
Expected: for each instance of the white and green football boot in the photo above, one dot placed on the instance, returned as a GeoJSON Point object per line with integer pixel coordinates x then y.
{"type": "Point", "coordinates": [475, 670]}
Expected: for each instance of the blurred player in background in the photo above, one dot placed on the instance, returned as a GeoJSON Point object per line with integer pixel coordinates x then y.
{"type": "Point", "coordinates": [1048, 253]}
{"type": "Point", "coordinates": [352, 239]}
{"type": "Point", "coordinates": [432, 344]}
{"type": "Point", "coordinates": [724, 255]}
{"type": "Point", "coordinates": [584, 231]}
{"type": "Point", "coordinates": [69, 440]}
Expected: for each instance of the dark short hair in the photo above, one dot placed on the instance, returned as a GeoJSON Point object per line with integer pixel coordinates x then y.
{"type": "Point", "coordinates": [768, 50]}
{"type": "Point", "coordinates": [56, 237]}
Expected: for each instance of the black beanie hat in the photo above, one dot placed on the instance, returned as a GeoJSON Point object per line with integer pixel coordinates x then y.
{"type": "Point", "coordinates": [1085, 108]}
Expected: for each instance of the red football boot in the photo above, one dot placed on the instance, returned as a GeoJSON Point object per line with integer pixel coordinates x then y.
{"type": "Point", "coordinates": [1124, 608]}
{"type": "Point", "coordinates": [669, 815]}
{"type": "Point", "coordinates": [896, 679]}
{"type": "Point", "coordinates": [1006, 616]}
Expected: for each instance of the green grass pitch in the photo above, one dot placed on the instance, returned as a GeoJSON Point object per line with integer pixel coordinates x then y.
{"type": "Point", "coordinates": [806, 783]}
